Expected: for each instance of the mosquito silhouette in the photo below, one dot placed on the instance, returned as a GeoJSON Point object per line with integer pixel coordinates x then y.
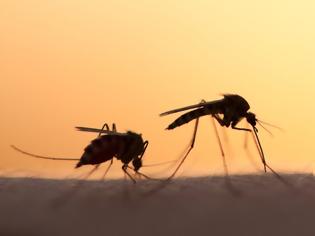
{"type": "Point", "coordinates": [233, 108]}
{"type": "Point", "coordinates": [126, 147]}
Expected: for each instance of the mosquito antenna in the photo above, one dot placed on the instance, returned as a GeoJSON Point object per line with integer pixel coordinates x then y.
{"type": "Point", "coordinates": [265, 128]}
{"type": "Point", "coordinates": [143, 175]}
{"type": "Point", "coordinates": [172, 163]}
{"type": "Point", "coordinates": [161, 163]}
{"type": "Point", "coordinates": [43, 157]}
{"type": "Point", "coordinates": [271, 125]}
{"type": "Point", "coordinates": [146, 143]}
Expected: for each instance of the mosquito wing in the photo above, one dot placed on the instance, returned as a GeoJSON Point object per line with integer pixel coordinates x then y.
{"type": "Point", "coordinates": [95, 130]}
{"type": "Point", "coordinates": [202, 104]}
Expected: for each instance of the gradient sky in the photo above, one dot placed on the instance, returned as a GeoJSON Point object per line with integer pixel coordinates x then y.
{"type": "Point", "coordinates": [67, 63]}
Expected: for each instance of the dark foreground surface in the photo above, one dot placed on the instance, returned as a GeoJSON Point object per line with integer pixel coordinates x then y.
{"type": "Point", "coordinates": [254, 205]}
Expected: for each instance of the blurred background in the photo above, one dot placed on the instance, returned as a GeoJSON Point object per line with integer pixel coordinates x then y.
{"type": "Point", "coordinates": [68, 63]}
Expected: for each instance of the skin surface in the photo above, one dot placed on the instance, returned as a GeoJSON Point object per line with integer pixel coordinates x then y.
{"type": "Point", "coordinates": [259, 205]}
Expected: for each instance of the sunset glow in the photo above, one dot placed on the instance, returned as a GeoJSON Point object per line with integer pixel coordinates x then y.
{"type": "Point", "coordinates": [69, 63]}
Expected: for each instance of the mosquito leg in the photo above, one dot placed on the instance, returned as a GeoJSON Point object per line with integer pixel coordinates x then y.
{"type": "Point", "coordinates": [258, 145]}
{"type": "Point", "coordinates": [114, 127]}
{"type": "Point", "coordinates": [147, 177]}
{"type": "Point", "coordinates": [219, 120]}
{"type": "Point", "coordinates": [91, 172]}
{"type": "Point", "coordinates": [108, 167]}
{"type": "Point", "coordinates": [260, 150]}
{"type": "Point", "coordinates": [246, 137]}
{"type": "Point", "coordinates": [137, 175]}
{"type": "Point", "coordinates": [190, 148]}
{"type": "Point", "coordinates": [248, 153]}
{"type": "Point", "coordinates": [244, 129]}
{"type": "Point", "coordinates": [143, 175]}
{"type": "Point", "coordinates": [223, 123]}
{"type": "Point", "coordinates": [226, 172]}
{"type": "Point", "coordinates": [66, 197]}
{"type": "Point", "coordinates": [124, 168]}
{"type": "Point", "coordinates": [145, 145]}
{"type": "Point", "coordinates": [221, 149]}
{"type": "Point", "coordinates": [225, 136]}
{"type": "Point", "coordinates": [104, 126]}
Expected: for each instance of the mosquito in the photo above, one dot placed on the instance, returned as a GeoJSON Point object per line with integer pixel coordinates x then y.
{"type": "Point", "coordinates": [233, 108]}
{"type": "Point", "coordinates": [126, 147]}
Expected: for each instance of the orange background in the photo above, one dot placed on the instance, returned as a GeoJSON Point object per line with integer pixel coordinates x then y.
{"type": "Point", "coordinates": [69, 63]}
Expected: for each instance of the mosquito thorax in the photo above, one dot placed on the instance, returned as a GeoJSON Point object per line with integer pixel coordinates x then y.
{"type": "Point", "coordinates": [134, 134]}
{"type": "Point", "coordinates": [237, 101]}
{"type": "Point", "coordinates": [137, 142]}
{"type": "Point", "coordinates": [251, 118]}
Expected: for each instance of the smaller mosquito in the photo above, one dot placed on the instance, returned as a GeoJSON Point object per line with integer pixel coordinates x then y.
{"type": "Point", "coordinates": [126, 147]}
{"type": "Point", "coordinates": [233, 108]}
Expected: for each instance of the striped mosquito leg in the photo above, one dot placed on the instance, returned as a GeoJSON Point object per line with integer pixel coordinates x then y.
{"type": "Point", "coordinates": [190, 148]}
{"type": "Point", "coordinates": [221, 148]}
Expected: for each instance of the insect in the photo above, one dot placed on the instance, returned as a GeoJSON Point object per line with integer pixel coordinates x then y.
{"type": "Point", "coordinates": [126, 147]}
{"type": "Point", "coordinates": [233, 108]}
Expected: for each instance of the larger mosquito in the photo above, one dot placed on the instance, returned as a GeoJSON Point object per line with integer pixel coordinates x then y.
{"type": "Point", "coordinates": [126, 147]}
{"type": "Point", "coordinates": [233, 108]}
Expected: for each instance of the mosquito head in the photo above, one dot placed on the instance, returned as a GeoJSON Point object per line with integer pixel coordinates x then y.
{"type": "Point", "coordinates": [137, 163]}
{"type": "Point", "coordinates": [251, 118]}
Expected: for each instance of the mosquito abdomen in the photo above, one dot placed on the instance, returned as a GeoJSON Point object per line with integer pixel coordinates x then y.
{"type": "Point", "coordinates": [189, 116]}
{"type": "Point", "coordinates": [101, 149]}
